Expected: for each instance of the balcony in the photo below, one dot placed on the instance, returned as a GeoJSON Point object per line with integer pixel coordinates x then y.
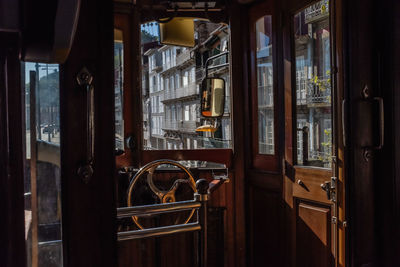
{"type": "Point", "coordinates": [314, 92]}
{"type": "Point", "coordinates": [156, 68]}
{"type": "Point", "coordinates": [319, 93]}
{"type": "Point", "coordinates": [182, 126]}
{"type": "Point", "coordinates": [183, 58]}
{"type": "Point", "coordinates": [200, 74]}
{"type": "Point", "coordinates": [317, 11]}
{"type": "Point", "coordinates": [189, 90]}
{"type": "Point", "coordinates": [265, 96]}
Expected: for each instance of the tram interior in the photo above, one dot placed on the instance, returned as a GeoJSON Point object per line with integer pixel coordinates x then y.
{"type": "Point", "coordinates": [144, 133]}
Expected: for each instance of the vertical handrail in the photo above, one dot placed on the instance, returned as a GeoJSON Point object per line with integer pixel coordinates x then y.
{"type": "Point", "coordinates": [202, 196]}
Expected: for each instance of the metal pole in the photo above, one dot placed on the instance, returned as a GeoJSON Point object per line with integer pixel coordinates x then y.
{"type": "Point", "coordinates": [305, 131]}
{"type": "Point", "coordinates": [202, 196]}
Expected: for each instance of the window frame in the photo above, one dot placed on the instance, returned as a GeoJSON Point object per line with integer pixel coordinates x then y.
{"type": "Point", "coordinates": [263, 161]}
{"type": "Point", "coordinates": [294, 138]}
{"type": "Point", "coordinates": [133, 113]}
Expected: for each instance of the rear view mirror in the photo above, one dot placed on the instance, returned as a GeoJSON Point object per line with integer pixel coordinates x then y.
{"type": "Point", "coordinates": [212, 97]}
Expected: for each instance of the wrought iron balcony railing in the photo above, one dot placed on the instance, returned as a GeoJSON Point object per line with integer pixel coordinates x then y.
{"type": "Point", "coordinates": [189, 90]}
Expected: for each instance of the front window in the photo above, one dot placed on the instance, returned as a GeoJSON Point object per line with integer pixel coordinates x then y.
{"type": "Point", "coordinates": [176, 74]}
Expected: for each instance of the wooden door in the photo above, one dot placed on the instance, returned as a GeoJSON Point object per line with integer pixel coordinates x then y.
{"type": "Point", "coordinates": [310, 176]}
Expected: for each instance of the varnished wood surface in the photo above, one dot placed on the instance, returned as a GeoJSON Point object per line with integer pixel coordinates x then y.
{"type": "Point", "coordinates": [123, 23]}
{"type": "Point", "coordinates": [310, 180]}
{"type": "Point", "coordinates": [88, 210]}
{"type": "Point", "coordinates": [313, 230]}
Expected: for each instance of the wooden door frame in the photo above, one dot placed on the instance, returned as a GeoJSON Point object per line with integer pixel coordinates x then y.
{"type": "Point", "coordinates": [338, 74]}
{"type": "Point", "coordinates": [235, 239]}
{"type": "Point", "coordinates": [12, 136]}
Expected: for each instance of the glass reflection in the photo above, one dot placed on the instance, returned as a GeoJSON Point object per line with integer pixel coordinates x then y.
{"type": "Point", "coordinates": [313, 86]}
{"type": "Point", "coordinates": [265, 94]}
{"type": "Point", "coordinates": [119, 89]}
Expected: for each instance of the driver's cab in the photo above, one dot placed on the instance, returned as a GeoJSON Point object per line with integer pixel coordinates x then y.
{"type": "Point", "coordinates": [182, 130]}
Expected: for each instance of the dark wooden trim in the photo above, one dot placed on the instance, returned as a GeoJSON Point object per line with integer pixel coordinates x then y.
{"type": "Point", "coordinates": [239, 47]}
{"type": "Point", "coordinates": [213, 155]}
{"type": "Point", "coordinates": [123, 22]}
{"type": "Point", "coordinates": [12, 139]}
{"type": "Point", "coordinates": [266, 181]}
{"type": "Point", "coordinates": [89, 210]}
{"type": "Point", "coordinates": [359, 44]}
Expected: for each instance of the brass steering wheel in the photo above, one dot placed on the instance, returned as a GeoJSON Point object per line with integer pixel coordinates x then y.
{"type": "Point", "coordinates": [163, 196]}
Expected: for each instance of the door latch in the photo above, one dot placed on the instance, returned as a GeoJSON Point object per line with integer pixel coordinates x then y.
{"type": "Point", "coordinates": [330, 188]}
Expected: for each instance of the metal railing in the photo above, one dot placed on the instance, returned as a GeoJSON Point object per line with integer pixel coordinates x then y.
{"type": "Point", "coordinates": [319, 93]}
{"type": "Point", "coordinates": [266, 148]}
{"type": "Point", "coordinates": [183, 57]}
{"type": "Point", "coordinates": [199, 203]}
{"type": "Point", "coordinates": [265, 96]}
{"type": "Point", "coordinates": [187, 126]}
{"type": "Point", "coordinates": [317, 11]}
{"type": "Point", "coordinates": [190, 89]}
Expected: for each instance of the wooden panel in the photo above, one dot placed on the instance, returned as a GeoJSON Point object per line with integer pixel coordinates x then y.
{"type": "Point", "coordinates": [313, 231]}
{"type": "Point", "coordinates": [310, 184]}
{"type": "Point", "coordinates": [89, 209]}
{"type": "Point", "coordinates": [265, 230]}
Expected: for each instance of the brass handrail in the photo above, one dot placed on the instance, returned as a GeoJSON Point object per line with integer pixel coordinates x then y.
{"type": "Point", "coordinates": [157, 208]}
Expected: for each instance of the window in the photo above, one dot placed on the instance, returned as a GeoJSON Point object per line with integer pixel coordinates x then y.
{"type": "Point", "coordinates": [174, 90]}
{"type": "Point", "coordinates": [119, 89]}
{"type": "Point", "coordinates": [185, 79]}
{"type": "Point", "coordinates": [42, 177]}
{"type": "Point", "coordinates": [313, 86]}
{"type": "Point", "coordinates": [265, 93]}
{"type": "Point", "coordinates": [187, 114]}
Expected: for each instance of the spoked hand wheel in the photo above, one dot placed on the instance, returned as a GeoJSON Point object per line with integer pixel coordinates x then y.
{"type": "Point", "coordinates": [146, 189]}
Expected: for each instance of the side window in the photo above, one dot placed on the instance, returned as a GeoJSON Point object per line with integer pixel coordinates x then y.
{"type": "Point", "coordinates": [265, 78]}
{"type": "Point", "coordinates": [118, 87]}
{"type": "Point", "coordinates": [313, 86]}
{"type": "Point", "coordinates": [175, 77]}
{"type": "Point", "coordinates": [42, 179]}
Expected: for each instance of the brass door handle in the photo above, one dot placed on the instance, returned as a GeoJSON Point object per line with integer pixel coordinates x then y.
{"type": "Point", "coordinates": [326, 186]}
{"type": "Point", "coordinates": [84, 80]}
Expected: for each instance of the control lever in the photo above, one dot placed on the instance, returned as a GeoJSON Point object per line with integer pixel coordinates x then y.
{"type": "Point", "coordinates": [217, 182]}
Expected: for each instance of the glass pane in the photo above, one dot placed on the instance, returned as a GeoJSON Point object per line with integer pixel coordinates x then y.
{"type": "Point", "coordinates": [171, 78]}
{"type": "Point", "coordinates": [313, 86]}
{"type": "Point", "coordinates": [42, 174]}
{"type": "Point", "coordinates": [265, 92]}
{"type": "Point", "coordinates": [119, 88]}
